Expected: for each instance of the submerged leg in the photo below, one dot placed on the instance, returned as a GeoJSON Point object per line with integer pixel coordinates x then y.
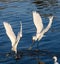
{"type": "Point", "coordinates": [18, 56]}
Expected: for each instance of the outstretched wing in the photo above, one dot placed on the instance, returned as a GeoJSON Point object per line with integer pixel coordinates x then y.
{"type": "Point", "coordinates": [49, 24]}
{"type": "Point", "coordinates": [10, 32]}
{"type": "Point", "coordinates": [37, 21]}
{"type": "Point", "coordinates": [19, 33]}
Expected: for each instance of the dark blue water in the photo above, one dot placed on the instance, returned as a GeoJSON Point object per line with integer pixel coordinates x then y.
{"type": "Point", "coordinates": [14, 11]}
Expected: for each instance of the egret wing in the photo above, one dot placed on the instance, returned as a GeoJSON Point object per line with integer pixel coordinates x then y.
{"type": "Point", "coordinates": [37, 21]}
{"type": "Point", "coordinates": [49, 24]}
{"type": "Point", "coordinates": [19, 33]}
{"type": "Point", "coordinates": [10, 32]}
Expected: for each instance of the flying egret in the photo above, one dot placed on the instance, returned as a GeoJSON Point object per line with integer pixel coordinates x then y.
{"type": "Point", "coordinates": [40, 31]}
{"type": "Point", "coordinates": [55, 60]}
{"type": "Point", "coordinates": [11, 35]}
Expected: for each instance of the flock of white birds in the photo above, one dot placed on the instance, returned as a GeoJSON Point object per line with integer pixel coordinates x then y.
{"type": "Point", "coordinates": [40, 31]}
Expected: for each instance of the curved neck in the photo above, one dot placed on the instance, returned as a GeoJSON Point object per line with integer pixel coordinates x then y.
{"type": "Point", "coordinates": [55, 60]}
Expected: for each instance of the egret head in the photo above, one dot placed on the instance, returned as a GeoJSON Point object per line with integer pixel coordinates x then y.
{"type": "Point", "coordinates": [55, 58]}
{"type": "Point", "coordinates": [34, 38]}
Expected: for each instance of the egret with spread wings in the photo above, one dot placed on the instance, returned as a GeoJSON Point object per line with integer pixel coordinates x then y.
{"type": "Point", "coordinates": [11, 35]}
{"type": "Point", "coordinates": [40, 30]}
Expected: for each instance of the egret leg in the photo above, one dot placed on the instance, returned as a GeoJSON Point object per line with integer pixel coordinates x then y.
{"type": "Point", "coordinates": [38, 52]}
{"type": "Point", "coordinates": [31, 46]}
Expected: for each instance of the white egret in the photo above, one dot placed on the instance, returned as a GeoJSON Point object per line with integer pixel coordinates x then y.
{"type": "Point", "coordinates": [55, 60]}
{"type": "Point", "coordinates": [11, 35]}
{"type": "Point", "coordinates": [40, 31]}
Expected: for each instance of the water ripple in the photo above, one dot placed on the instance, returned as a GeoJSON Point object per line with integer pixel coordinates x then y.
{"type": "Point", "coordinates": [15, 11]}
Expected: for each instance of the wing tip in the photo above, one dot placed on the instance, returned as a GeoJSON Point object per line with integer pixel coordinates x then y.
{"type": "Point", "coordinates": [4, 23]}
{"type": "Point", "coordinates": [34, 12]}
{"type": "Point", "coordinates": [20, 22]}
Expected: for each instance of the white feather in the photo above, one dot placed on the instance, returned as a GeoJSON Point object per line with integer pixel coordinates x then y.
{"type": "Point", "coordinates": [46, 29]}
{"type": "Point", "coordinates": [9, 32]}
{"type": "Point", "coordinates": [19, 33]}
{"type": "Point", "coordinates": [12, 36]}
{"type": "Point", "coordinates": [37, 21]}
{"type": "Point", "coordinates": [39, 25]}
{"type": "Point", "coordinates": [49, 25]}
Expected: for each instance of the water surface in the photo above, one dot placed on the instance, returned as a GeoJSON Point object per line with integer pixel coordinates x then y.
{"type": "Point", "coordinates": [14, 11]}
